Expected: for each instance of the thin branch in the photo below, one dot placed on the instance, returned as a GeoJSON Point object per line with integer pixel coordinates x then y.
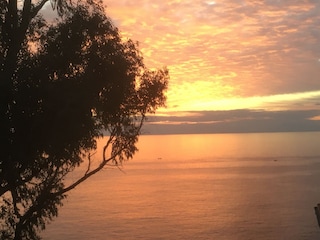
{"type": "Point", "coordinates": [104, 162]}
{"type": "Point", "coordinates": [37, 8]}
{"type": "Point", "coordinates": [111, 137]}
{"type": "Point", "coordinates": [13, 14]}
{"type": "Point", "coordinates": [86, 176]}
{"type": "Point", "coordinates": [89, 174]}
{"type": "Point", "coordinates": [26, 18]}
{"type": "Point", "coordinates": [120, 169]}
{"type": "Point", "coordinates": [89, 162]}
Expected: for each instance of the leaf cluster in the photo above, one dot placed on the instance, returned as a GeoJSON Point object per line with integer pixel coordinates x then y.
{"type": "Point", "coordinates": [73, 81]}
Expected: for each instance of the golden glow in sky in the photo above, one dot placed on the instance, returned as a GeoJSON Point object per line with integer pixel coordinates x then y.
{"type": "Point", "coordinates": [227, 54]}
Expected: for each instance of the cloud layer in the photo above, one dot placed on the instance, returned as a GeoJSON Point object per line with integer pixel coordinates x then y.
{"type": "Point", "coordinates": [225, 48]}
{"type": "Point", "coordinates": [235, 121]}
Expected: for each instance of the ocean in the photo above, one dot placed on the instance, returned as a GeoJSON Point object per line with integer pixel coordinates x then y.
{"type": "Point", "coordinates": [210, 186]}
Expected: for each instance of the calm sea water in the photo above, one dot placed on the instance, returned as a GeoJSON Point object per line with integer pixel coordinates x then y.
{"type": "Point", "coordinates": [221, 186]}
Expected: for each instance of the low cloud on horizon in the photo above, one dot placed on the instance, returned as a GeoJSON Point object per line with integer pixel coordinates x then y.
{"type": "Point", "coordinates": [234, 121]}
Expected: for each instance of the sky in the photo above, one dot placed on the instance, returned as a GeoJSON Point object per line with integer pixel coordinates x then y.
{"type": "Point", "coordinates": [235, 65]}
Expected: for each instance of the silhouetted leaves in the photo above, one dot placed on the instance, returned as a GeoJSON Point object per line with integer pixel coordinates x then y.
{"type": "Point", "coordinates": [70, 82]}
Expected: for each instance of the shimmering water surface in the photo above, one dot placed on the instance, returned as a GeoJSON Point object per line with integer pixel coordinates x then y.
{"type": "Point", "coordinates": [221, 186]}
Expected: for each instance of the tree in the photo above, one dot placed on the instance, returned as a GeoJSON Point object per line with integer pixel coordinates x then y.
{"type": "Point", "coordinates": [64, 85]}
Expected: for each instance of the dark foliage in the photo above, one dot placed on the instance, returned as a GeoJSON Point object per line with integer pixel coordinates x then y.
{"type": "Point", "coordinates": [62, 86]}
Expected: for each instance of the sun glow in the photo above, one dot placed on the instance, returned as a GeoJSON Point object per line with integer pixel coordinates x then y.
{"type": "Point", "coordinates": [223, 55]}
{"type": "Point", "coordinates": [273, 102]}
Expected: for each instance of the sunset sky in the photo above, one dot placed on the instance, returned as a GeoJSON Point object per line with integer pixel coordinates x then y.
{"type": "Point", "coordinates": [253, 55]}
{"type": "Point", "coordinates": [230, 61]}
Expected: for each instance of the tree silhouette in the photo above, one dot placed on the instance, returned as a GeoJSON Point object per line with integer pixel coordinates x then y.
{"type": "Point", "coordinates": [63, 85]}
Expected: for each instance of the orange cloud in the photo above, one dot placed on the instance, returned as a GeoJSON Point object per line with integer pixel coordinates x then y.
{"type": "Point", "coordinates": [226, 49]}
{"type": "Point", "coordinates": [315, 118]}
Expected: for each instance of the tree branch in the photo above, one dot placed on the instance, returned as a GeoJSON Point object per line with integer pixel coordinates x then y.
{"type": "Point", "coordinates": [85, 176]}
{"type": "Point", "coordinates": [103, 163]}
{"type": "Point", "coordinates": [26, 18]}
{"type": "Point", "coordinates": [12, 14]}
{"type": "Point", "coordinates": [37, 8]}
{"type": "Point", "coordinates": [89, 163]}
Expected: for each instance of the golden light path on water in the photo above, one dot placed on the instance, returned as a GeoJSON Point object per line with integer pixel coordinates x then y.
{"type": "Point", "coordinates": [200, 186]}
